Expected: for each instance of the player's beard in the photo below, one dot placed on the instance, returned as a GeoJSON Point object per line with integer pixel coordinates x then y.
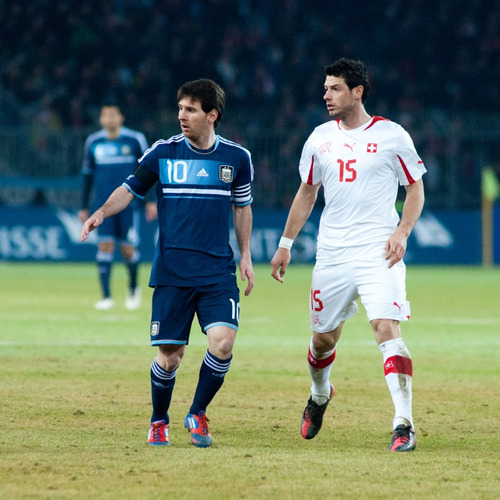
{"type": "Point", "coordinates": [342, 112]}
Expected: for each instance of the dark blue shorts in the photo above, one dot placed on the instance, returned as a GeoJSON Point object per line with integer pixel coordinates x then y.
{"type": "Point", "coordinates": [123, 227]}
{"type": "Point", "coordinates": [174, 308]}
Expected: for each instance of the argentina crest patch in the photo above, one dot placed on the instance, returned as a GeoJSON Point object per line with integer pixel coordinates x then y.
{"type": "Point", "coordinates": [155, 328]}
{"type": "Point", "coordinates": [226, 173]}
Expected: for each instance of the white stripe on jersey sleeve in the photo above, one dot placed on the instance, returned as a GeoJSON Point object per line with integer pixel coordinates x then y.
{"type": "Point", "coordinates": [242, 195]}
{"type": "Point", "coordinates": [175, 138]}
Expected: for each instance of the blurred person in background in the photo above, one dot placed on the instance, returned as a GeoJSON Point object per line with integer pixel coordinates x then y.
{"type": "Point", "coordinates": [110, 155]}
{"type": "Point", "coordinates": [360, 160]}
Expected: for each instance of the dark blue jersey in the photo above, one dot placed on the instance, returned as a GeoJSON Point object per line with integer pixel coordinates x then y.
{"type": "Point", "coordinates": [109, 161]}
{"type": "Point", "coordinates": [195, 191]}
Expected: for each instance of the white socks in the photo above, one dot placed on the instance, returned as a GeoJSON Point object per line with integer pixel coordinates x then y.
{"type": "Point", "coordinates": [398, 371]}
{"type": "Point", "coordinates": [320, 365]}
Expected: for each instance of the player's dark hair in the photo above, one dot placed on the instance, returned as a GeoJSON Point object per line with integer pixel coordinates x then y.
{"type": "Point", "coordinates": [208, 93]}
{"type": "Point", "coordinates": [109, 103]}
{"type": "Point", "coordinates": [353, 72]}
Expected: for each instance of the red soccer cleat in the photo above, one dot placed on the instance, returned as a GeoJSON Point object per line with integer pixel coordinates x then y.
{"type": "Point", "coordinates": [197, 425]}
{"type": "Point", "coordinates": [312, 418]}
{"type": "Point", "coordinates": [403, 439]}
{"type": "Point", "coordinates": [158, 434]}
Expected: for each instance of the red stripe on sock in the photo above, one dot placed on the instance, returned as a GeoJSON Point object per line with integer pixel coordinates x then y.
{"type": "Point", "coordinates": [320, 363]}
{"type": "Point", "coordinates": [398, 364]}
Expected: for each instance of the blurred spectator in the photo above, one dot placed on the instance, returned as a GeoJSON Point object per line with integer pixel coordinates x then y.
{"type": "Point", "coordinates": [61, 59]}
{"type": "Point", "coordinates": [251, 46]}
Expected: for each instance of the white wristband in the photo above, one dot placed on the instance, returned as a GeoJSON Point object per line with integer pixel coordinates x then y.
{"type": "Point", "coordinates": [285, 243]}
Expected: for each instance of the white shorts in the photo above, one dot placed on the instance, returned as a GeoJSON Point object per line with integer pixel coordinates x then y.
{"type": "Point", "coordinates": [336, 288]}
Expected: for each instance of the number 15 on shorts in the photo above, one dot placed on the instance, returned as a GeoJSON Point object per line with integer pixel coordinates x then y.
{"type": "Point", "coordinates": [316, 303]}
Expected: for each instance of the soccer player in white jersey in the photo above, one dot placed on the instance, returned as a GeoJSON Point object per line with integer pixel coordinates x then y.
{"type": "Point", "coordinates": [109, 156]}
{"type": "Point", "coordinates": [201, 179]}
{"type": "Point", "coordinates": [359, 160]}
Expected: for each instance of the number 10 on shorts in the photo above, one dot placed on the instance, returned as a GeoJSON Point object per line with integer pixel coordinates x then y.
{"type": "Point", "coordinates": [316, 304]}
{"type": "Point", "coordinates": [235, 309]}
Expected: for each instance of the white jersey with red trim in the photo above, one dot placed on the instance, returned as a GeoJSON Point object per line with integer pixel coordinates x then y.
{"type": "Point", "coordinates": [360, 170]}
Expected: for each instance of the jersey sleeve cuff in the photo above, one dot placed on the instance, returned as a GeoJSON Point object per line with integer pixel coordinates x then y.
{"type": "Point", "coordinates": [242, 203]}
{"type": "Point", "coordinates": [133, 191]}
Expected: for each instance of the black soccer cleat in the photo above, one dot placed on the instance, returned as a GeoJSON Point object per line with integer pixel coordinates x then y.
{"type": "Point", "coordinates": [403, 439]}
{"type": "Point", "coordinates": [312, 418]}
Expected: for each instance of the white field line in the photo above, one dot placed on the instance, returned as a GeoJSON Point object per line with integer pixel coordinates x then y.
{"type": "Point", "coordinates": [241, 342]}
{"type": "Point", "coordinates": [111, 318]}
{"type": "Point", "coordinates": [445, 320]}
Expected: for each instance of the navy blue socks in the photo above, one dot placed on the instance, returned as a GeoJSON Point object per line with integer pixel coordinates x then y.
{"type": "Point", "coordinates": [162, 386]}
{"type": "Point", "coordinates": [212, 373]}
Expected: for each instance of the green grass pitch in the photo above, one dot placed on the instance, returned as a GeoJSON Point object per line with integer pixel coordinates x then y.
{"type": "Point", "coordinates": [75, 395]}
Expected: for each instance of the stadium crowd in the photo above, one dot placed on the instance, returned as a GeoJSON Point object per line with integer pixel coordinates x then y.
{"type": "Point", "coordinates": [61, 59]}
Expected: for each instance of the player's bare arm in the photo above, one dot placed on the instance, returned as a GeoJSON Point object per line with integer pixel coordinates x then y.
{"type": "Point", "coordinates": [300, 211]}
{"type": "Point", "coordinates": [120, 198]}
{"type": "Point", "coordinates": [395, 247]}
{"type": "Point", "coordinates": [242, 220]}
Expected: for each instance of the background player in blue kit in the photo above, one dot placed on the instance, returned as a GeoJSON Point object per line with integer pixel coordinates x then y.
{"type": "Point", "coordinates": [109, 156]}
{"type": "Point", "coordinates": [200, 177]}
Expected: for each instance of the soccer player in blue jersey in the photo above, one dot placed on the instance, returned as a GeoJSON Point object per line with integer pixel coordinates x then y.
{"type": "Point", "coordinates": [109, 156]}
{"type": "Point", "coordinates": [200, 178]}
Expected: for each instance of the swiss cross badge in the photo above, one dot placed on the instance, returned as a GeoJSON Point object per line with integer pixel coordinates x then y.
{"type": "Point", "coordinates": [371, 147]}
{"type": "Point", "coordinates": [226, 173]}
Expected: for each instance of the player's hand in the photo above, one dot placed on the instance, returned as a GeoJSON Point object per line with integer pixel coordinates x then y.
{"type": "Point", "coordinates": [83, 215]}
{"type": "Point", "coordinates": [151, 211]}
{"type": "Point", "coordinates": [395, 248]}
{"type": "Point", "coordinates": [90, 224]}
{"type": "Point", "coordinates": [280, 262]}
{"type": "Point", "coordinates": [246, 270]}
